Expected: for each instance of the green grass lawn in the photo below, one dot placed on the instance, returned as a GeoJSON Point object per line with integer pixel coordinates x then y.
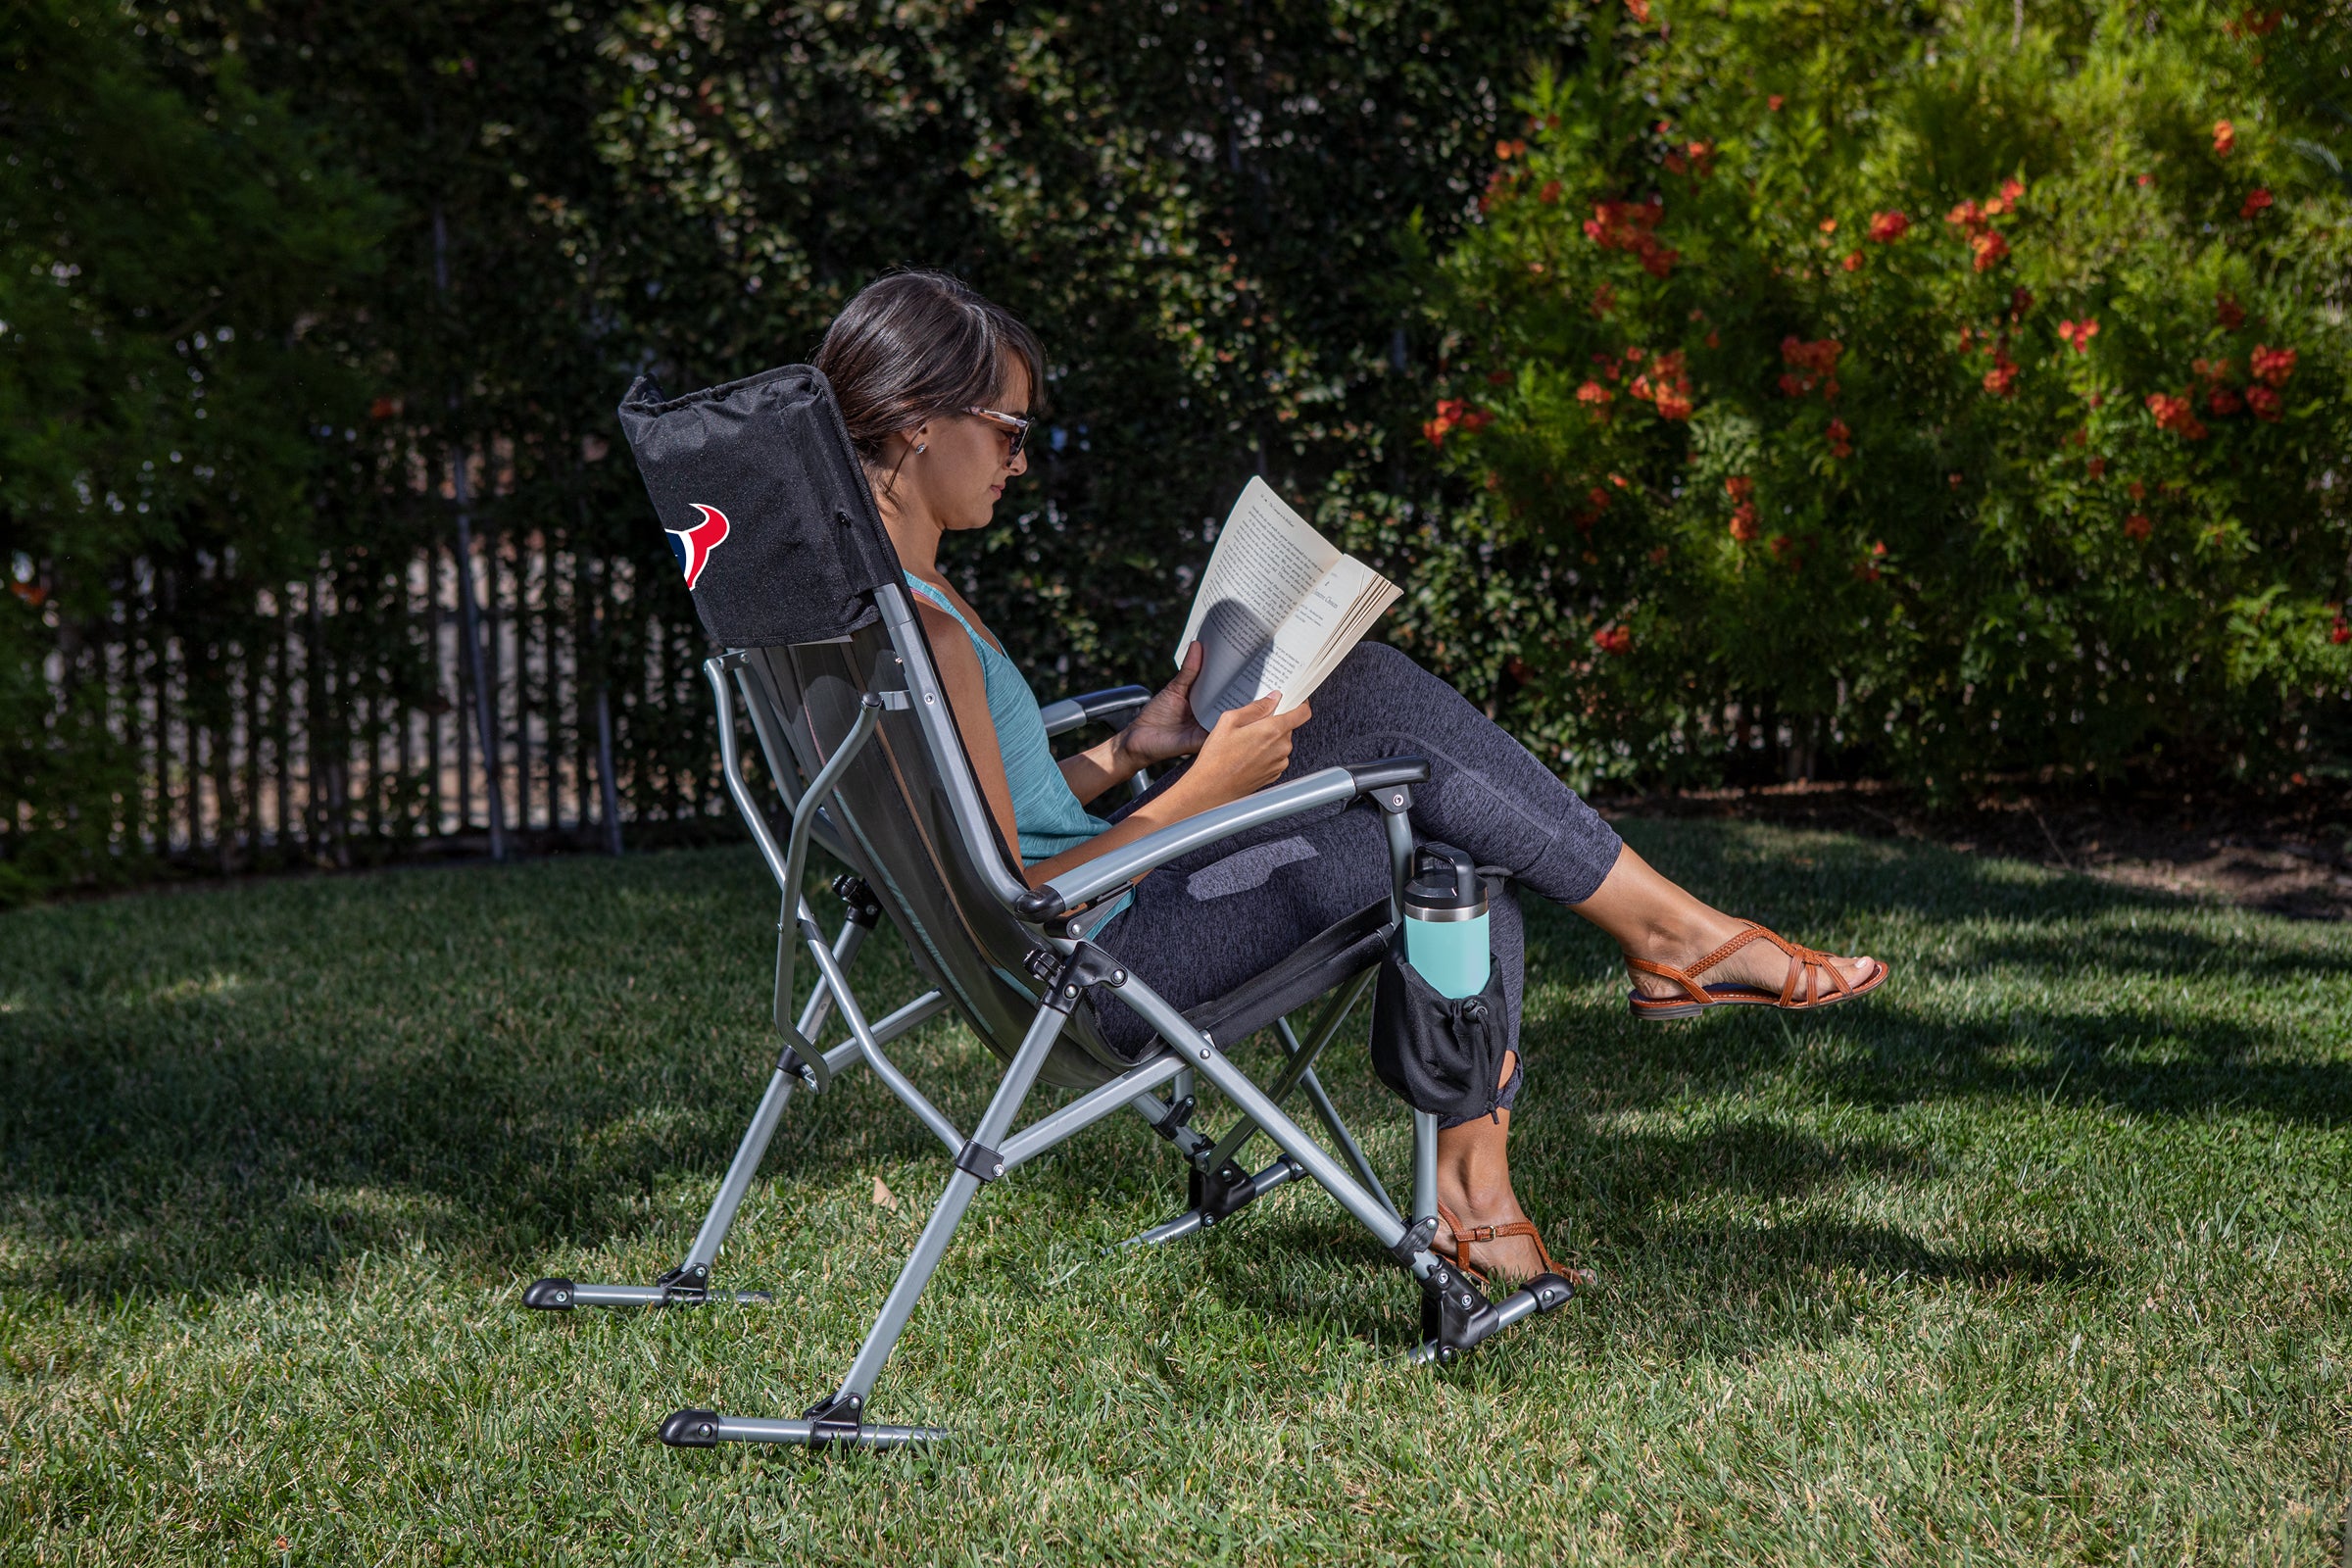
{"type": "Point", "coordinates": [2045, 1253]}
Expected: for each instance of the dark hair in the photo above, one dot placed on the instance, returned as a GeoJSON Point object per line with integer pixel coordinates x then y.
{"type": "Point", "coordinates": [915, 345]}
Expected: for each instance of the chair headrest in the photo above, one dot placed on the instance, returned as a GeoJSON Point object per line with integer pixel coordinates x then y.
{"type": "Point", "coordinates": [765, 504]}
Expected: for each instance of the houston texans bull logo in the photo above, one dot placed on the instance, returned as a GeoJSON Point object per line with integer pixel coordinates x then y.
{"type": "Point", "coordinates": [693, 546]}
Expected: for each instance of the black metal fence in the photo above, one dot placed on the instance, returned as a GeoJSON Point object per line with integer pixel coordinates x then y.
{"type": "Point", "coordinates": [334, 720]}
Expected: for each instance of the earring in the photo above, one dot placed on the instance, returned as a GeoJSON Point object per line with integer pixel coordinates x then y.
{"type": "Point", "coordinates": [921, 447]}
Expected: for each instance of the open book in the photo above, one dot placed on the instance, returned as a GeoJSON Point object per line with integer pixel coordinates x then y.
{"type": "Point", "coordinates": [1278, 609]}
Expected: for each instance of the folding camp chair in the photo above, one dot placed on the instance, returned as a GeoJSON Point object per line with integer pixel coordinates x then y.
{"type": "Point", "coordinates": [838, 682]}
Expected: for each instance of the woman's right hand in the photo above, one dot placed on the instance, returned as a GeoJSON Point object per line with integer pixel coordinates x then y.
{"type": "Point", "coordinates": [1245, 752]}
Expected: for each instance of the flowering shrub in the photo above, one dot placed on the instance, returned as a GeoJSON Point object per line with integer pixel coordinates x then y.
{"type": "Point", "coordinates": [1966, 396]}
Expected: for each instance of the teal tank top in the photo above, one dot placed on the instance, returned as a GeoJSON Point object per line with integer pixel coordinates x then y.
{"type": "Point", "coordinates": [1049, 817]}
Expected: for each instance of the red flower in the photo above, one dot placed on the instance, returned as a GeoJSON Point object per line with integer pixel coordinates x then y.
{"type": "Point", "coordinates": [1989, 247]}
{"type": "Point", "coordinates": [1853, 262]}
{"type": "Point", "coordinates": [2228, 312]}
{"type": "Point", "coordinates": [1604, 299]}
{"type": "Point", "coordinates": [2078, 333]}
{"type": "Point", "coordinates": [2097, 467]}
{"type": "Point", "coordinates": [2222, 402]}
{"type": "Point", "coordinates": [1597, 498]}
{"type": "Point", "coordinates": [1625, 227]}
{"type": "Point", "coordinates": [1967, 215]}
{"type": "Point", "coordinates": [2341, 632]}
{"type": "Point", "coordinates": [2256, 200]}
{"type": "Point", "coordinates": [1639, 8]}
{"type": "Point", "coordinates": [2265, 403]}
{"type": "Point", "coordinates": [2145, 181]}
{"type": "Point", "coordinates": [1774, 103]}
{"type": "Point", "coordinates": [1841, 439]}
{"type": "Point", "coordinates": [1454, 414]}
{"type": "Point", "coordinates": [1595, 396]}
{"type": "Point", "coordinates": [382, 409]}
{"type": "Point", "coordinates": [2224, 139]}
{"type": "Point", "coordinates": [2002, 379]}
{"type": "Point", "coordinates": [2135, 490]}
{"type": "Point", "coordinates": [1743, 521]}
{"type": "Point", "coordinates": [1829, 225]}
{"type": "Point", "coordinates": [1550, 193]}
{"type": "Point", "coordinates": [2011, 190]}
{"type": "Point", "coordinates": [1816, 364]}
{"type": "Point", "coordinates": [1615, 640]}
{"type": "Point", "coordinates": [1888, 227]}
{"type": "Point", "coordinates": [2272, 366]}
{"type": "Point", "coordinates": [2137, 525]}
{"type": "Point", "coordinates": [2176, 413]}
{"type": "Point", "coordinates": [1739, 488]}
{"type": "Point", "coordinates": [1509, 149]}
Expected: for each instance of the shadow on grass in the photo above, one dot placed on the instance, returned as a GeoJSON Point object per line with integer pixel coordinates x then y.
{"type": "Point", "coordinates": [519, 1100]}
{"type": "Point", "coordinates": [1728, 1288]}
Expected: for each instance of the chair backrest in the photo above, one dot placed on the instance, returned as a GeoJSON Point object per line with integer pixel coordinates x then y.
{"type": "Point", "coordinates": [908, 817]}
{"type": "Point", "coordinates": [789, 563]}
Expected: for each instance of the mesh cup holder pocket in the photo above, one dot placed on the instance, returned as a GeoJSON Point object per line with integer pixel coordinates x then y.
{"type": "Point", "coordinates": [1438, 1054]}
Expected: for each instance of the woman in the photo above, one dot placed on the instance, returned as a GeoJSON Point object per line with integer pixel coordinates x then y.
{"type": "Point", "coordinates": [935, 384]}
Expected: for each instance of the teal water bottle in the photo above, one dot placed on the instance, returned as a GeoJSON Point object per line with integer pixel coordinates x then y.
{"type": "Point", "coordinates": [1446, 921]}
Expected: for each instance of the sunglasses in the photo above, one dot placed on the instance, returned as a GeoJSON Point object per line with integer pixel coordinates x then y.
{"type": "Point", "coordinates": [1015, 428]}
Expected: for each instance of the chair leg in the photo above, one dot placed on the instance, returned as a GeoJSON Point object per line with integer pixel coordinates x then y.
{"type": "Point", "coordinates": [840, 1418]}
{"type": "Point", "coordinates": [1456, 1315]}
{"type": "Point", "coordinates": [1218, 1187]}
{"type": "Point", "coordinates": [688, 1284]}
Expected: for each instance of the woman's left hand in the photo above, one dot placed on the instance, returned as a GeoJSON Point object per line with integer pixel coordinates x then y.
{"type": "Point", "coordinates": [1165, 727]}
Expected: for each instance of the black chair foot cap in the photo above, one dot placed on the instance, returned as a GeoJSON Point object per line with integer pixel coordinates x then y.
{"type": "Point", "coordinates": [1551, 1293]}
{"type": "Point", "coordinates": [549, 1296]}
{"type": "Point", "coordinates": [691, 1429]}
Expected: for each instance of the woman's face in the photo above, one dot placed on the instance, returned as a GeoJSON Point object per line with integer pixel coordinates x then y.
{"type": "Point", "coordinates": [962, 468]}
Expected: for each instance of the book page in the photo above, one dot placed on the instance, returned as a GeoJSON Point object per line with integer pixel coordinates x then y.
{"type": "Point", "coordinates": [1340, 611]}
{"type": "Point", "coordinates": [1268, 559]}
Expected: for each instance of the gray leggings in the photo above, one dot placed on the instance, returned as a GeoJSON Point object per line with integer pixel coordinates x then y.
{"type": "Point", "coordinates": [1205, 924]}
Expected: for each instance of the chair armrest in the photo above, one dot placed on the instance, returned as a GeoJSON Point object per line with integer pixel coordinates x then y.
{"type": "Point", "coordinates": [1085, 709]}
{"type": "Point", "coordinates": [1106, 873]}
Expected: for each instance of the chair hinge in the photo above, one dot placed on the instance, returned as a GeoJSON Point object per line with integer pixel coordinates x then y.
{"type": "Point", "coordinates": [976, 1159]}
{"type": "Point", "coordinates": [810, 1069]}
{"type": "Point", "coordinates": [1172, 1123]}
{"type": "Point", "coordinates": [864, 909]}
{"type": "Point", "coordinates": [1086, 965]}
{"type": "Point", "coordinates": [835, 1419]}
{"type": "Point", "coordinates": [683, 1285]}
{"type": "Point", "coordinates": [1415, 1240]}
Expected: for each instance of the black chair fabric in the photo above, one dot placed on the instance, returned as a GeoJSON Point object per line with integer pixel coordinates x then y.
{"type": "Point", "coordinates": [758, 487]}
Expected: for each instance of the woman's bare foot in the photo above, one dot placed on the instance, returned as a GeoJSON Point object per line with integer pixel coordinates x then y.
{"type": "Point", "coordinates": [1474, 1188]}
{"type": "Point", "coordinates": [1511, 1257]}
{"type": "Point", "coordinates": [1657, 920]}
{"type": "Point", "coordinates": [1759, 963]}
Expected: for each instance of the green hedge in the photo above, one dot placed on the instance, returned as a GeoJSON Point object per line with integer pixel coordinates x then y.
{"type": "Point", "coordinates": [1932, 391]}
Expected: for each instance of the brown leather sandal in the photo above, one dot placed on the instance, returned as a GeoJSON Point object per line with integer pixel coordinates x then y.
{"type": "Point", "coordinates": [1584, 1279]}
{"type": "Point", "coordinates": [1813, 973]}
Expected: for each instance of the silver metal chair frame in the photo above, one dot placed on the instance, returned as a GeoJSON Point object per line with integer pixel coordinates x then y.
{"type": "Point", "coordinates": [961, 938]}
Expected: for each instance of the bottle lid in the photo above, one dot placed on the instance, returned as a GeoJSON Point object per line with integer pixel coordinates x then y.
{"type": "Point", "coordinates": [1445, 886]}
